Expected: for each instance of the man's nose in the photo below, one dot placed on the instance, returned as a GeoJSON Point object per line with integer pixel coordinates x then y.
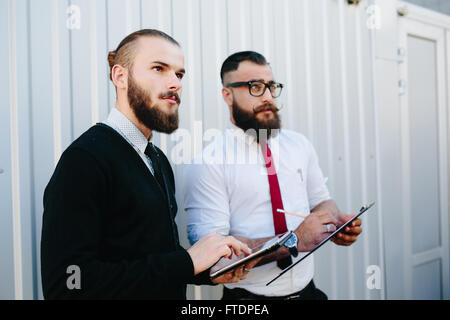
{"type": "Point", "coordinates": [174, 83]}
{"type": "Point", "coordinates": [267, 96]}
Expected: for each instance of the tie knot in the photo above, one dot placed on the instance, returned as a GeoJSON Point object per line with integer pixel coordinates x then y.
{"type": "Point", "coordinates": [150, 150]}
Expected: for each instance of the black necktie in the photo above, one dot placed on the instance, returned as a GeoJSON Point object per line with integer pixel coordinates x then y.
{"type": "Point", "coordinates": [153, 154]}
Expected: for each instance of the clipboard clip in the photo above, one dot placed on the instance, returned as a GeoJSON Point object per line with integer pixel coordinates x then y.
{"type": "Point", "coordinates": [366, 207]}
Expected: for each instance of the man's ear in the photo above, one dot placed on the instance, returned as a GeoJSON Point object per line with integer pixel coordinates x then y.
{"type": "Point", "coordinates": [119, 75]}
{"type": "Point", "coordinates": [227, 96]}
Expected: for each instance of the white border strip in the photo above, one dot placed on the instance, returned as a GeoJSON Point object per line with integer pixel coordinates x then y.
{"type": "Point", "coordinates": [15, 179]}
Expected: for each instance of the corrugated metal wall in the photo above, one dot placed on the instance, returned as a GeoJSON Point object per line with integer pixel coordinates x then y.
{"type": "Point", "coordinates": [58, 86]}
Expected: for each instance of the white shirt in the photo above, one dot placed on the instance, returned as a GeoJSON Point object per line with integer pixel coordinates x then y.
{"type": "Point", "coordinates": [229, 193]}
{"type": "Point", "coordinates": [119, 122]}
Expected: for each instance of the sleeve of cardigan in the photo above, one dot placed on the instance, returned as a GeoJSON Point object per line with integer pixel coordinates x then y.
{"type": "Point", "coordinates": [71, 235]}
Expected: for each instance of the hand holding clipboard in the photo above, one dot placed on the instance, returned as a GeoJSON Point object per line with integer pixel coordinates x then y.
{"type": "Point", "coordinates": [333, 234]}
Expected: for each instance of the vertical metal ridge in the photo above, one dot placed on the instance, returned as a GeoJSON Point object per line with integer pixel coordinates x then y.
{"type": "Point", "coordinates": [330, 149]}
{"type": "Point", "coordinates": [15, 170]}
{"type": "Point", "coordinates": [288, 59]}
{"type": "Point", "coordinates": [362, 141]}
{"type": "Point", "coordinates": [192, 66]}
{"type": "Point", "coordinates": [57, 147]}
{"type": "Point", "coordinates": [128, 16]}
{"type": "Point", "coordinates": [31, 138]}
{"type": "Point", "coordinates": [374, 98]}
{"type": "Point", "coordinates": [242, 20]}
{"type": "Point", "coordinates": [218, 45]}
{"type": "Point", "coordinates": [265, 17]}
{"type": "Point", "coordinates": [95, 109]}
{"type": "Point", "coordinates": [308, 71]}
{"type": "Point", "coordinates": [345, 117]}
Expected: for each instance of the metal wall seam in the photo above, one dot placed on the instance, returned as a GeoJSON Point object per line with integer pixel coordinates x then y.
{"type": "Point", "coordinates": [345, 118]}
{"type": "Point", "coordinates": [128, 17]}
{"type": "Point", "coordinates": [330, 149]}
{"type": "Point", "coordinates": [379, 200]}
{"type": "Point", "coordinates": [218, 41]}
{"type": "Point", "coordinates": [15, 176]}
{"type": "Point", "coordinates": [309, 102]}
{"type": "Point", "coordinates": [191, 66]}
{"type": "Point", "coordinates": [94, 65]}
{"type": "Point", "coordinates": [362, 141]}
{"type": "Point", "coordinates": [242, 20]}
{"type": "Point", "coordinates": [266, 31]}
{"type": "Point", "coordinates": [288, 65]}
{"type": "Point", "coordinates": [57, 147]}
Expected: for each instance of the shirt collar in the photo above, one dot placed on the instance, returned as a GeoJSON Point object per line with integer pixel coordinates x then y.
{"type": "Point", "coordinates": [128, 129]}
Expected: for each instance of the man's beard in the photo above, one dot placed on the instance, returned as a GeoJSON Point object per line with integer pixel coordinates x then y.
{"type": "Point", "coordinates": [247, 121]}
{"type": "Point", "coordinates": [151, 115]}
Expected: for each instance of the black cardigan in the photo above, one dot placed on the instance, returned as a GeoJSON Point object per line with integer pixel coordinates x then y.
{"type": "Point", "coordinates": [105, 213]}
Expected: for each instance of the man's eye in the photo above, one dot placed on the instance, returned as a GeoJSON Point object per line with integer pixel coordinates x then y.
{"type": "Point", "coordinates": [180, 75]}
{"type": "Point", "coordinates": [157, 68]}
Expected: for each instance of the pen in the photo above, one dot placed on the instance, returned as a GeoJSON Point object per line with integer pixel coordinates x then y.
{"type": "Point", "coordinates": [291, 213]}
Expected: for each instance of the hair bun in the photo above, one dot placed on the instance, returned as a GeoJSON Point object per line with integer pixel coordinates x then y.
{"type": "Point", "coordinates": [111, 58]}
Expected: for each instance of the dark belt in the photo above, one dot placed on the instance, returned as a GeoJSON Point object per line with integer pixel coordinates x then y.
{"type": "Point", "coordinates": [310, 292]}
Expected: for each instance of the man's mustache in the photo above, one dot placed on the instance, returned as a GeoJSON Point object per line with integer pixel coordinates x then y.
{"type": "Point", "coordinates": [170, 94]}
{"type": "Point", "coordinates": [266, 107]}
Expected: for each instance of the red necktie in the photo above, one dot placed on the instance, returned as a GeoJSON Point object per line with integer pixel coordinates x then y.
{"type": "Point", "coordinates": [279, 220]}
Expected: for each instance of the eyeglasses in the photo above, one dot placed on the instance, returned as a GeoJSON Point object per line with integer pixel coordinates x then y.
{"type": "Point", "coordinates": [257, 87]}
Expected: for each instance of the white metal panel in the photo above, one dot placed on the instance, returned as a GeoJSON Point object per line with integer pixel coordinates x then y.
{"type": "Point", "coordinates": [321, 50]}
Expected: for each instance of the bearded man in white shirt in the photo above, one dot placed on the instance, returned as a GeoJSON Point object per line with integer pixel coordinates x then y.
{"type": "Point", "coordinates": [254, 168]}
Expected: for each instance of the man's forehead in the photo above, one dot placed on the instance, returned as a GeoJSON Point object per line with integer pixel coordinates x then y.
{"type": "Point", "coordinates": [248, 70]}
{"type": "Point", "coordinates": [151, 49]}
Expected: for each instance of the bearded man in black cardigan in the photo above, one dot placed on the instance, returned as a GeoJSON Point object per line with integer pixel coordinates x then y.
{"type": "Point", "coordinates": [109, 208]}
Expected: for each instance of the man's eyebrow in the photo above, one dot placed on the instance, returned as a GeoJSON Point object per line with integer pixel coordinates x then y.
{"type": "Point", "coordinates": [262, 80]}
{"type": "Point", "coordinates": [167, 65]}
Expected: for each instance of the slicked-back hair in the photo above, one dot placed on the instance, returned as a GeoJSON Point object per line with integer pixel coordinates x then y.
{"type": "Point", "coordinates": [125, 53]}
{"type": "Point", "coordinates": [232, 62]}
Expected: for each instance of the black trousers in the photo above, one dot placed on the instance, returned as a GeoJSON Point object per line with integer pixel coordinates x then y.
{"type": "Point", "coordinates": [310, 292]}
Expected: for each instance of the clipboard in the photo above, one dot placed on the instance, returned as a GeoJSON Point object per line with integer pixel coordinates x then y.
{"type": "Point", "coordinates": [361, 211]}
{"type": "Point", "coordinates": [268, 247]}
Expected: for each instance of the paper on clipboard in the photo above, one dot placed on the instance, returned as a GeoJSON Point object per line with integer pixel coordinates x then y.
{"type": "Point", "coordinates": [225, 265]}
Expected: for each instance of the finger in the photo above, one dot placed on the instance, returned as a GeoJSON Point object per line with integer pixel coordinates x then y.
{"type": "Point", "coordinates": [330, 229]}
{"type": "Point", "coordinates": [237, 246]}
{"type": "Point", "coordinates": [342, 243]}
{"type": "Point", "coordinates": [328, 219]}
{"type": "Point", "coordinates": [356, 223]}
{"type": "Point", "coordinates": [352, 230]}
{"type": "Point", "coordinates": [253, 263]}
{"type": "Point", "coordinates": [225, 251]}
{"type": "Point", "coordinates": [321, 213]}
{"type": "Point", "coordinates": [347, 238]}
{"type": "Point", "coordinates": [239, 272]}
